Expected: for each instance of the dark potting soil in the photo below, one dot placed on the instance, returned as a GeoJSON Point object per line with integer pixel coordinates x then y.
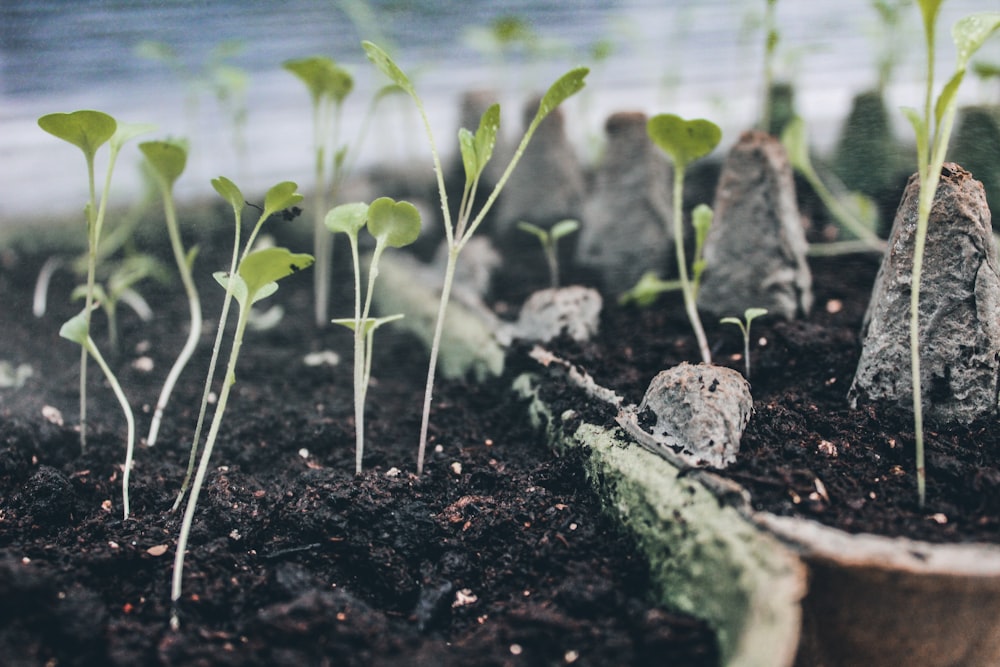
{"type": "Point", "coordinates": [805, 452]}
{"type": "Point", "coordinates": [499, 554]}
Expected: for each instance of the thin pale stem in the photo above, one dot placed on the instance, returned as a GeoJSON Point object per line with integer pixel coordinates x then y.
{"type": "Point", "coordinates": [322, 240]}
{"type": "Point", "coordinates": [199, 479]}
{"type": "Point", "coordinates": [687, 288]}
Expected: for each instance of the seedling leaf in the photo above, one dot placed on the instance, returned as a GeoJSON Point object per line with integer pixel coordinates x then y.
{"type": "Point", "coordinates": [683, 140]}
{"type": "Point", "coordinates": [970, 32]}
{"type": "Point", "coordinates": [347, 218]}
{"type": "Point", "coordinates": [386, 65]}
{"type": "Point", "coordinates": [281, 196]}
{"type": "Point", "coordinates": [563, 228]}
{"type": "Point", "coordinates": [126, 131]}
{"type": "Point", "coordinates": [565, 87]}
{"type": "Point", "coordinates": [167, 158]}
{"type": "Point", "coordinates": [322, 77]}
{"type": "Point", "coordinates": [88, 130]}
{"type": "Point", "coordinates": [270, 265]}
{"type": "Point", "coordinates": [229, 191]}
{"type": "Point", "coordinates": [947, 95]}
{"type": "Point", "coordinates": [370, 324]}
{"type": "Point", "coordinates": [486, 136]}
{"type": "Point", "coordinates": [234, 284]}
{"type": "Point", "coordinates": [467, 147]}
{"type": "Point", "coordinates": [75, 328]}
{"type": "Point", "coordinates": [396, 224]}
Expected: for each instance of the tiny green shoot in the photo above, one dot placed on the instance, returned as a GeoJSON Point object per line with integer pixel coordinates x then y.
{"type": "Point", "coordinates": [933, 131]}
{"type": "Point", "coordinates": [89, 130]}
{"type": "Point", "coordinates": [685, 141]}
{"type": "Point", "coordinates": [749, 315]}
{"type": "Point", "coordinates": [328, 85]}
{"type": "Point", "coordinates": [279, 197]}
{"type": "Point", "coordinates": [76, 330]}
{"type": "Point", "coordinates": [476, 150]}
{"type": "Point", "coordinates": [549, 238]}
{"type": "Point", "coordinates": [394, 225]}
{"type": "Point", "coordinates": [645, 292]}
{"type": "Point", "coordinates": [167, 160]}
{"type": "Point", "coordinates": [255, 279]}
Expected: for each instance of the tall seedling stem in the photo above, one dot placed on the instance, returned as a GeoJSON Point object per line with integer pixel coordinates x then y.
{"type": "Point", "coordinates": [167, 160]}
{"type": "Point", "coordinates": [933, 131]}
{"type": "Point", "coordinates": [685, 141]}
{"type": "Point", "coordinates": [476, 150]}
{"type": "Point", "coordinates": [88, 131]}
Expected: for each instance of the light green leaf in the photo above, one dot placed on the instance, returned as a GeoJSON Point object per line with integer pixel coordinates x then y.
{"type": "Point", "coordinates": [486, 136]}
{"type": "Point", "coordinates": [230, 192]}
{"type": "Point", "coordinates": [347, 218]}
{"type": "Point", "coordinates": [467, 147]}
{"type": "Point", "coordinates": [750, 314]}
{"type": "Point", "coordinates": [565, 87]}
{"type": "Point", "coordinates": [683, 140]}
{"type": "Point", "coordinates": [920, 129]}
{"type": "Point", "coordinates": [535, 230]}
{"type": "Point", "coordinates": [322, 77]}
{"type": "Point", "coordinates": [563, 228]}
{"type": "Point", "coordinates": [87, 130]}
{"type": "Point", "coordinates": [269, 265]}
{"type": "Point", "coordinates": [971, 32]}
{"type": "Point", "coordinates": [167, 158]}
{"type": "Point", "coordinates": [234, 284]}
{"type": "Point", "coordinates": [126, 131]}
{"type": "Point", "coordinates": [701, 220]}
{"type": "Point", "coordinates": [385, 64]}
{"type": "Point", "coordinates": [796, 144]}
{"type": "Point", "coordinates": [732, 320]}
{"type": "Point", "coordinates": [947, 96]}
{"type": "Point", "coordinates": [396, 224]}
{"type": "Point", "coordinates": [281, 196]}
{"type": "Point", "coordinates": [75, 329]}
{"type": "Point", "coordinates": [369, 324]}
{"type": "Point", "coordinates": [929, 12]}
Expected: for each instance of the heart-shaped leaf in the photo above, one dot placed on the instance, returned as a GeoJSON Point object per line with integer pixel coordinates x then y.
{"type": "Point", "coordinates": [394, 224]}
{"type": "Point", "coordinates": [167, 158]}
{"type": "Point", "coordinates": [683, 140]}
{"type": "Point", "coordinates": [87, 130]}
{"type": "Point", "coordinates": [281, 196]}
{"type": "Point", "coordinates": [347, 218]}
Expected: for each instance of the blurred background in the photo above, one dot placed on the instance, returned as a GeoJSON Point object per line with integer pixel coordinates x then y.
{"type": "Point", "coordinates": [211, 72]}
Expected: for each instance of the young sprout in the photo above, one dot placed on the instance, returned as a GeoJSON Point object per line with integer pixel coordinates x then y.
{"type": "Point", "coordinates": [685, 141]}
{"type": "Point", "coordinates": [167, 161]}
{"type": "Point", "coordinates": [329, 85]}
{"type": "Point", "coordinates": [549, 240]}
{"type": "Point", "coordinates": [855, 214]}
{"type": "Point", "coordinates": [933, 130]}
{"type": "Point", "coordinates": [89, 130]}
{"type": "Point", "coordinates": [476, 150]}
{"type": "Point", "coordinates": [281, 196]}
{"type": "Point", "coordinates": [75, 329]}
{"type": "Point", "coordinates": [255, 279]}
{"type": "Point", "coordinates": [749, 315]}
{"type": "Point", "coordinates": [647, 289]}
{"type": "Point", "coordinates": [394, 225]}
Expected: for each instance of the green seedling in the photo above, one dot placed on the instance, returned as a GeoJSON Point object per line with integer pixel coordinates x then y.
{"type": "Point", "coordinates": [749, 315]}
{"type": "Point", "coordinates": [255, 279]}
{"type": "Point", "coordinates": [771, 39]}
{"type": "Point", "coordinates": [394, 225]}
{"type": "Point", "coordinates": [329, 85]}
{"type": "Point", "coordinates": [76, 330]}
{"type": "Point", "coordinates": [854, 212]}
{"type": "Point", "coordinates": [685, 141]}
{"type": "Point", "coordinates": [933, 131]}
{"type": "Point", "coordinates": [89, 130]}
{"type": "Point", "coordinates": [120, 288]}
{"type": "Point", "coordinates": [476, 150]}
{"type": "Point", "coordinates": [549, 238]}
{"type": "Point", "coordinates": [891, 14]}
{"type": "Point", "coordinates": [281, 196]}
{"type": "Point", "coordinates": [649, 287]}
{"type": "Point", "coordinates": [167, 161]}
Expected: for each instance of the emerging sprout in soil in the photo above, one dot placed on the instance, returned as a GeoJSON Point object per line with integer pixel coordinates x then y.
{"type": "Point", "coordinates": [476, 151]}
{"type": "Point", "coordinates": [75, 329]}
{"type": "Point", "coordinates": [685, 141]}
{"type": "Point", "coordinates": [550, 240]}
{"type": "Point", "coordinates": [749, 315]}
{"type": "Point", "coordinates": [281, 196]}
{"type": "Point", "coordinates": [167, 160]}
{"type": "Point", "coordinates": [854, 212]}
{"type": "Point", "coordinates": [394, 225]}
{"type": "Point", "coordinates": [329, 85]}
{"type": "Point", "coordinates": [255, 279]}
{"type": "Point", "coordinates": [89, 130]}
{"type": "Point", "coordinates": [933, 130]}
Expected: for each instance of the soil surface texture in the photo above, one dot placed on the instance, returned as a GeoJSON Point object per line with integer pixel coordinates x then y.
{"type": "Point", "coordinates": [498, 555]}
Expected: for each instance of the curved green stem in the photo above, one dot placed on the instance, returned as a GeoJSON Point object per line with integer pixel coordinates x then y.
{"type": "Point", "coordinates": [687, 288]}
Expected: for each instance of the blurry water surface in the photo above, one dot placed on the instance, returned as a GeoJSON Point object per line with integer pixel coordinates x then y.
{"type": "Point", "coordinates": [692, 57]}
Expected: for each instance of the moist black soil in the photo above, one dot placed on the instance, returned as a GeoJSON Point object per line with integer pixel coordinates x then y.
{"type": "Point", "coordinates": [499, 554]}
{"type": "Point", "coordinates": [805, 452]}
